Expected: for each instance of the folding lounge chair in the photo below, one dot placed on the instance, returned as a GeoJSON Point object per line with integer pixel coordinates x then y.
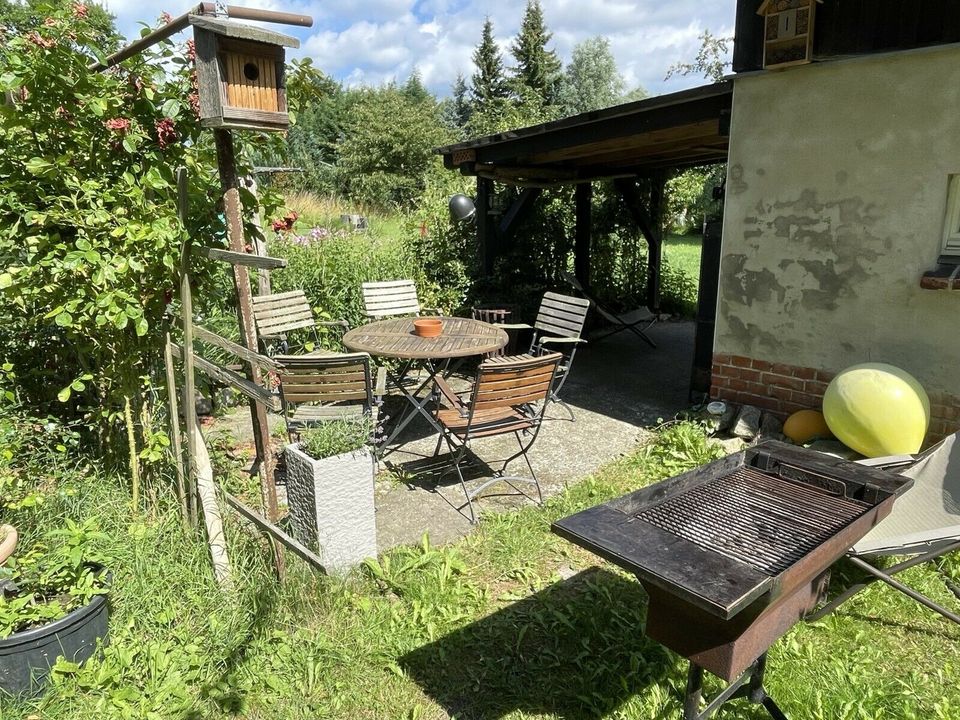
{"type": "Point", "coordinates": [508, 397]}
{"type": "Point", "coordinates": [924, 523]}
{"type": "Point", "coordinates": [279, 314]}
{"type": "Point", "coordinates": [317, 389]}
{"type": "Point", "coordinates": [636, 321]}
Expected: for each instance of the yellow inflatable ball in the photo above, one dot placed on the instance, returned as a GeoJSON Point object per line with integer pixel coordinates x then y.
{"type": "Point", "coordinates": [877, 409]}
{"type": "Point", "coordinates": [806, 425]}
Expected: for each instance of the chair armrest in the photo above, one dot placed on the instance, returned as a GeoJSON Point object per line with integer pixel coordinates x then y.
{"type": "Point", "coordinates": [563, 340]}
{"type": "Point", "coordinates": [447, 392]}
{"type": "Point", "coordinates": [513, 326]}
{"type": "Point", "coordinates": [334, 323]}
{"type": "Point", "coordinates": [380, 389]}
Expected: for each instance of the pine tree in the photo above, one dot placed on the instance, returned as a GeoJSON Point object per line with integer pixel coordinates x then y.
{"type": "Point", "coordinates": [538, 69]}
{"type": "Point", "coordinates": [413, 88]}
{"type": "Point", "coordinates": [489, 91]}
{"type": "Point", "coordinates": [461, 101]}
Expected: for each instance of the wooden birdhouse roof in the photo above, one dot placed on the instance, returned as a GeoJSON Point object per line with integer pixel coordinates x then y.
{"type": "Point", "coordinates": [242, 31]}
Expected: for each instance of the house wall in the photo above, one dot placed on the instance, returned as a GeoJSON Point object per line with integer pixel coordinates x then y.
{"type": "Point", "coordinates": [835, 201]}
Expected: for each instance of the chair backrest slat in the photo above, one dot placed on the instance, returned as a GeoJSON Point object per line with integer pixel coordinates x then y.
{"type": "Point", "coordinates": [562, 315]}
{"type": "Point", "coordinates": [514, 381]}
{"type": "Point", "coordinates": [393, 297]}
{"type": "Point", "coordinates": [282, 312]}
{"type": "Point", "coordinates": [325, 379]}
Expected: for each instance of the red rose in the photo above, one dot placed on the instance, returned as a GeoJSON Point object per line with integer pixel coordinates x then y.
{"type": "Point", "coordinates": [79, 10]}
{"type": "Point", "coordinates": [120, 125]}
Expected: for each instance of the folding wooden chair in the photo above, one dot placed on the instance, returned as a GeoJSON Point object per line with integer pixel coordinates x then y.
{"type": "Point", "coordinates": [636, 321]}
{"type": "Point", "coordinates": [508, 397]}
{"type": "Point", "coordinates": [557, 328]}
{"type": "Point", "coordinates": [318, 388]}
{"type": "Point", "coordinates": [279, 314]}
{"type": "Point", "coordinates": [390, 299]}
{"type": "Point", "coordinates": [924, 524]}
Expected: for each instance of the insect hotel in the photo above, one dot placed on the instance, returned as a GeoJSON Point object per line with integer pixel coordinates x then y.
{"type": "Point", "coordinates": [240, 74]}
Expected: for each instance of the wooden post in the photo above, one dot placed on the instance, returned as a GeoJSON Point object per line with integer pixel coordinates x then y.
{"type": "Point", "coordinates": [174, 410]}
{"type": "Point", "coordinates": [226, 163]}
{"type": "Point", "coordinates": [259, 243]}
{"type": "Point", "coordinates": [655, 256]}
{"type": "Point", "coordinates": [486, 230]}
{"type": "Point", "coordinates": [186, 311]}
{"type": "Point", "coordinates": [583, 197]}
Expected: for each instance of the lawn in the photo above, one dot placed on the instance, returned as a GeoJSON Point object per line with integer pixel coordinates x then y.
{"type": "Point", "coordinates": [511, 622]}
{"type": "Point", "coordinates": [683, 253]}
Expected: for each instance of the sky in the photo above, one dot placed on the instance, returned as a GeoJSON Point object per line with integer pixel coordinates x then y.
{"type": "Point", "coordinates": [374, 41]}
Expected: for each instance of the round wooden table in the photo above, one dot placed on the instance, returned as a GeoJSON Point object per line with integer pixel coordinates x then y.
{"type": "Point", "coordinates": [394, 338]}
{"type": "Point", "coordinates": [460, 337]}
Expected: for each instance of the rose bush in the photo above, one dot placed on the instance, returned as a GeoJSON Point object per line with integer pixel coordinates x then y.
{"type": "Point", "coordinates": [89, 233]}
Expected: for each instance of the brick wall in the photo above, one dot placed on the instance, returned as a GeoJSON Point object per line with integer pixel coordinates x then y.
{"type": "Point", "coordinates": [784, 389]}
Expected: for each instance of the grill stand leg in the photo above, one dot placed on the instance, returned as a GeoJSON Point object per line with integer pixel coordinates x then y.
{"type": "Point", "coordinates": [748, 685]}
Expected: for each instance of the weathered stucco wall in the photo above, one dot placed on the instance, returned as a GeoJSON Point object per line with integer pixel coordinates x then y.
{"type": "Point", "coordinates": [835, 200]}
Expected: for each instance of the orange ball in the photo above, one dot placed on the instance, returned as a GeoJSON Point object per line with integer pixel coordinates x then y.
{"type": "Point", "coordinates": [806, 425]}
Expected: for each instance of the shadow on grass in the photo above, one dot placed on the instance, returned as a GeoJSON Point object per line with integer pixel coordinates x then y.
{"type": "Point", "coordinates": [575, 650]}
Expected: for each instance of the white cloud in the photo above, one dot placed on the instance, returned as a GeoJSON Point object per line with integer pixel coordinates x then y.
{"type": "Point", "coordinates": [372, 41]}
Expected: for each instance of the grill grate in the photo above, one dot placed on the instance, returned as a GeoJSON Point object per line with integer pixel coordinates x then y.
{"type": "Point", "coordinates": [762, 521]}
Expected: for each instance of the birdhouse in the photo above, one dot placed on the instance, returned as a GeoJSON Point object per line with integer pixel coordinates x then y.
{"type": "Point", "coordinates": [788, 32]}
{"type": "Point", "coordinates": [240, 74]}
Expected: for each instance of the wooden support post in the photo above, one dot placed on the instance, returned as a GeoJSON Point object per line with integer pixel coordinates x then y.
{"type": "Point", "coordinates": [226, 163]}
{"type": "Point", "coordinates": [186, 311]}
{"type": "Point", "coordinates": [583, 197]}
{"type": "Point", "coordinates": [176, 441]}
{"type": "Point", "coordinates": [658, 184]}
{"type": "Point", "coordinates": [650, 223]}
{"type": "Point", "coordinates": [259, 242]}
{"type": "Point", "coordinates": [519, 209]}
{"type": "Point", "coordinates": [486, 230]}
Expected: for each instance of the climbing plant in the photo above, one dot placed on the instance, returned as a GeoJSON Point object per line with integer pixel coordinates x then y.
{"type": "Point", "coordinates": [89, 233]}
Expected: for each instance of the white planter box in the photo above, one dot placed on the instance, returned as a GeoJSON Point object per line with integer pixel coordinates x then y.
{"type": "Point", "coordinates": [331, 505]}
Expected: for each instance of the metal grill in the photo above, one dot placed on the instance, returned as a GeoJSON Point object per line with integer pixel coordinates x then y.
{"type": "Point", "coordinates": [766, 522]}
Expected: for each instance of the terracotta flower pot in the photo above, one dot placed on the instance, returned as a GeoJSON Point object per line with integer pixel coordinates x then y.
{"type": "Point", "coordinates": [428, 327]}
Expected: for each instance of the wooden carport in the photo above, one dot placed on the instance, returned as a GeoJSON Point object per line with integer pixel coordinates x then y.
{"type": "Point", "coordinates": [642, 140]}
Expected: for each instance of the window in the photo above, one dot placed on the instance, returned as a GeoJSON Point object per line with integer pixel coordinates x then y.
{"type": "Point", "coordinates": [951, 224]}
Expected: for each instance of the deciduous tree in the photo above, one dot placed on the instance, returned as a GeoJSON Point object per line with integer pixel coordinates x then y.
{"type": "Point", "coordinates": [591, 80]}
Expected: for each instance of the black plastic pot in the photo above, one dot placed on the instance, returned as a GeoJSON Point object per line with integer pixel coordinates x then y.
{"type": "Point", "coordinates": [26, 657]}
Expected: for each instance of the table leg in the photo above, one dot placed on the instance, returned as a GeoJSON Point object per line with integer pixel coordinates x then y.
{"type": "Point", "coordinates": [417, 405]}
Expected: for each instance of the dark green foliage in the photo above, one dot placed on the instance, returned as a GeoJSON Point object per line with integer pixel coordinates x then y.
{"type": "Point", "coordinates": [388, 149]}
{"type": "Point", "coordinates": [489, 90]}
{"type": "Point", "coordinates": [538, 69]}
{"type": "Point", "coordinates": [414, 90]}
{"type": "Point", "coordinates": [455, 111]}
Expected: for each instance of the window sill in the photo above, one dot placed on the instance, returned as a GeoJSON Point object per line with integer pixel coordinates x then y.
{"type": "Point", "coordinates": [942, 277]}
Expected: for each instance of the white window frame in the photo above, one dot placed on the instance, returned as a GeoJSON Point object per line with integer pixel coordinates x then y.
{"type": "Point", "coordinates": [951, 223]}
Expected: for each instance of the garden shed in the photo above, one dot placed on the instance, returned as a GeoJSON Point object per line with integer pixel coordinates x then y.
{"type": "Point", "coordinates": [841, 210]}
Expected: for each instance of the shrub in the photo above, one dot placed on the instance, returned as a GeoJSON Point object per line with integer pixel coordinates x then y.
{"type": "Point", "coordinates": [89, 233]}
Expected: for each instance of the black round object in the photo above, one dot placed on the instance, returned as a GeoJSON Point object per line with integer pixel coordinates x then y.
{"type": "Point", "coordinates": [462, 208]}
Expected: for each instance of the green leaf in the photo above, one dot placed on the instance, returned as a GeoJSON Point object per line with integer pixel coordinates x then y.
{"type": "Point", "coordinates": [64, 394]}
{"type": "Point", "coordinates": [37, 165]}
{"type": "Point", "coordinates": [6, 280]}
{"type": "Point", "coordinates": [129, 144]}
{"type": "Point", "coordinates": [64, 319]}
